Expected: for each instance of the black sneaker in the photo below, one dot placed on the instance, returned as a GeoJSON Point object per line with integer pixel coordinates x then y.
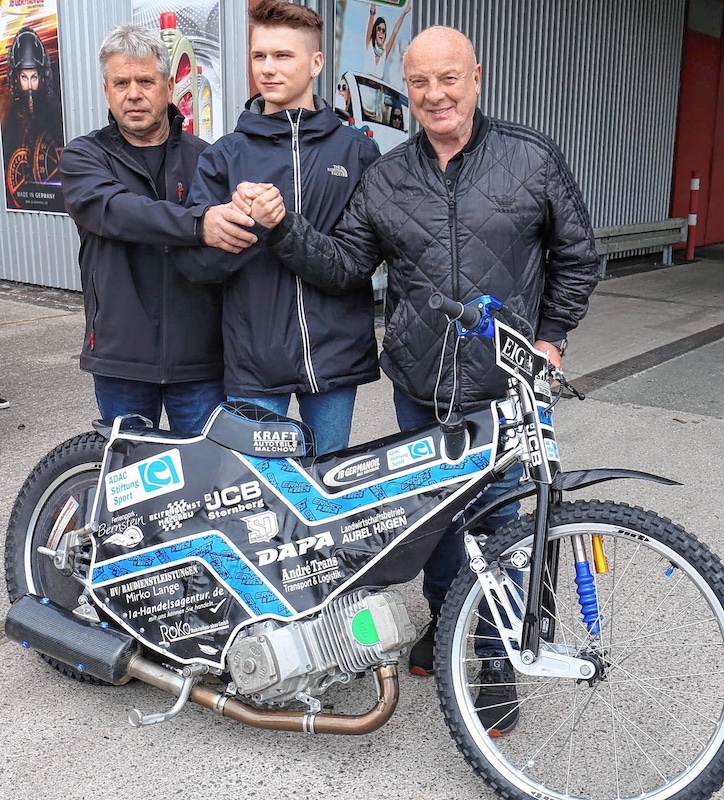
{"type": "Point", "coordinates": [4, 403]}
{"type": "Point", "coordinates": [497, 701]}
{"type": "Point", "coordinates": [421, 654]}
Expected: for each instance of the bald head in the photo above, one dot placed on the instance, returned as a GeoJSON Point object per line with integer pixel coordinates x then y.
{"type": "Point", "coordinates": [443, 83]}
{"type": "Point", "coordinates": [441, 41]}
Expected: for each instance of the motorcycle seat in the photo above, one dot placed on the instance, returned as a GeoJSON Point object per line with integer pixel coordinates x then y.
{"type": "Point", "coordinates": [254, 431]}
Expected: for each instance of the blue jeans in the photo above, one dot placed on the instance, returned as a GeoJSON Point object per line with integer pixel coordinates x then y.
{"type": "Point", "coordinates": [449, 554]}
{"type": "Point", "coordinates": [328, 414]}
{"type": "Point", "coordinates": [188, 405]}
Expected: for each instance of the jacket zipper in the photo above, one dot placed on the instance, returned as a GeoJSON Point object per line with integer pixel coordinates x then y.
{"type": "Point", "coordinates": [301, 314]}
{"type": "Point", "coordinates": [453, 225]}
{"type": "Point", "coordinates": [92, 335]}
{"type": "Point", "coordinates": [165, 278]}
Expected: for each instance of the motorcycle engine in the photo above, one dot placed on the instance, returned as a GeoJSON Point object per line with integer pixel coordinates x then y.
{"type": "Point", "coordinates": [272, 662]}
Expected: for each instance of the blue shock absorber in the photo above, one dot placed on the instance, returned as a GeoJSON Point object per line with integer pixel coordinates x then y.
{"type": "Point", "coordinates": [587, 597]}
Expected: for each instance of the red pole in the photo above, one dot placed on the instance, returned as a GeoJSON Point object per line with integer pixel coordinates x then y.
{"type": "Point", "coordinates": [693, 207]}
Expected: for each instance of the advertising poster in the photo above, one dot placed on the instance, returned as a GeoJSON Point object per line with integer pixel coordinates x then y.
{"type": "Point", "coordinates": [192, 32]}
{"type": "Point", "coordinates": [369, 42]}
{"type": "Point", "coordinates": [31, 116]}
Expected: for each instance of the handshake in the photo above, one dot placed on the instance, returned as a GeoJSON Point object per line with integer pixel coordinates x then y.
{"type": "Point", "coordinates": [228, 226]}
{"type": "Point", "coordinates": [262, 202]}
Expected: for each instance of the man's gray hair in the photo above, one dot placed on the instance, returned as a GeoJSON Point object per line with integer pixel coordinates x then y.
{"type": "Point", "coordinates": [137, 43]}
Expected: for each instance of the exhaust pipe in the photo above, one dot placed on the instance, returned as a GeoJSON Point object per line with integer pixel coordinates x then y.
{"type": "Point", "coordinates": [296, 721]}
{"type": "Point", "coordinates": [112, 656]}
{"type": "Point", "coordinates": [97, 650]}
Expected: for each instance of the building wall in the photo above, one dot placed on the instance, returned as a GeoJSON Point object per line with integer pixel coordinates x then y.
{"type": "Point", "coordinates": [700, 141]}
{"type": "Point", "coordinates": [601, 77]}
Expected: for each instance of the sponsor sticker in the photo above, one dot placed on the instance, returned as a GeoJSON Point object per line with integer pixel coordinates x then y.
{"type": "Point", "coordinates": [145, 479]}
{"type": "Point", "coordinates": [552, 450]}
{"type": "Point", "coordinates": [356, 469]}
{"type": "Point", "coordinates": [515, 354]}
{"type": "Point", "coordinates": [175, 514]}
{"type": "Point", "coordinates": [275, 441]}
{"type": "Point", "coordinates": [542, 387]}
{"type": "Point", "coordinates": [312, 573]}
{"type": "Point", "coordinates": [118, 524]}
{"type": "Point", "coordinates": [129, 537]}
{"type": "Point", "coordinates": [262, 527]}
{"type": "Point", "coordinates": [295, 549]}
{"type": "Point", "coordinates": [234, 499]}
{"type": "Point", "coordinates": [178, 630]}
{"type": "Point", "coordinates": [375, 524]}
{"type": "Point", "coordinates": [410, 453]}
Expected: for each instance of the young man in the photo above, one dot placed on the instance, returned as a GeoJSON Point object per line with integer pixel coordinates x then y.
{"type": "Point", "coordinates": [152, 338]}
{"type": "Point", "coordinates": [468, 206]}
{"type": "Point", "coordinates": [283, 336]}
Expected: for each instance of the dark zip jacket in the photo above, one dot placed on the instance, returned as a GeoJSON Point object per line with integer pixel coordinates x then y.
{"type": "Point", "coordinates": [281, 334]}
{"type": "Point", "coordinates": [144, 320]}
{"type": "Point", "coordinates": [511, 222]}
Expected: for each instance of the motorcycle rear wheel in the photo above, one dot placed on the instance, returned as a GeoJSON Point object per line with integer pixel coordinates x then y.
{"type": "Point", "coordinates": [70, 470]}
{"type": "Point", "coordinates": [652, 724]}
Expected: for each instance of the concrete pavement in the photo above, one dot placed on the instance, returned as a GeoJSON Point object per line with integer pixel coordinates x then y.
{"type": "Point", "coordinates": [662, 412]}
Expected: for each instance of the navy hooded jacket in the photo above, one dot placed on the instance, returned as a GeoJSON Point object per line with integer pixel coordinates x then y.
{"type": "Point", "coordinates": [281, 334]}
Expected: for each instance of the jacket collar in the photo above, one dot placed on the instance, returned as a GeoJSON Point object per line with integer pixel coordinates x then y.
{"type": "Point", "coordinates": [481, 124]}
{"type": "Point", "coordinates": [254, 121]}
{"type": "Point", "coordinates": [175, 121]}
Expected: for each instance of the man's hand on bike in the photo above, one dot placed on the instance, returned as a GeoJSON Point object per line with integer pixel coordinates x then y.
{"type": "Point", "coordinates": [262, 201]}
{"type": "Point", "coordinates": [554, 354]}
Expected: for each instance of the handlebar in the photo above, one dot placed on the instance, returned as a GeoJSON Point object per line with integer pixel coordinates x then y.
{"type": "Point", "coordinates": [476, 319]}
{"type": "Point", "coordinates": [467, 316]}
{"type": "Point", "coordinates": [473, 318]}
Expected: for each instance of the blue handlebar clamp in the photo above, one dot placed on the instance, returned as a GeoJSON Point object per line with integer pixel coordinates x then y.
{"type": "Point", "coordinates": [484, 305]}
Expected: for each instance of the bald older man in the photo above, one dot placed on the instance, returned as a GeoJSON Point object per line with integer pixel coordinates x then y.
{"type": "Point", "coordinates": [468, 206]}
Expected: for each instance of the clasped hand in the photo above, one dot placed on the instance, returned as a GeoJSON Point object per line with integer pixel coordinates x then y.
{"type": "Point", "coordinates": [263, 202]}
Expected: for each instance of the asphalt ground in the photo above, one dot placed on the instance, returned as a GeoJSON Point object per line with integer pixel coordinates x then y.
{"type": "Point", "coordinates": [650, 356]}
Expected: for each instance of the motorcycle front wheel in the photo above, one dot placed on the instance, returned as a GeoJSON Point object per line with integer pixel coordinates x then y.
{"type": "Point", "coordinates": [56, 497]}
{"type": "Point", "coordinates": [651, 722]}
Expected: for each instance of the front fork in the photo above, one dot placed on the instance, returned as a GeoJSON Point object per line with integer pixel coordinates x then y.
{"type": "Point", "coordinates": [527, 631]}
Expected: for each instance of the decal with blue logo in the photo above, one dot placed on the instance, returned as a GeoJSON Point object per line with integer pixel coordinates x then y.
{"type": "Point", "coordinates": [152, 477]}
{"type": "Point", "coordinates": [410, 453]}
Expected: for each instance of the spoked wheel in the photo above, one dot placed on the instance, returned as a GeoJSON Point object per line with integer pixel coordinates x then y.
{"type": "Point", "coordinates": [56, 497]}
{"type": "Point", "coordinates": [650, 723]}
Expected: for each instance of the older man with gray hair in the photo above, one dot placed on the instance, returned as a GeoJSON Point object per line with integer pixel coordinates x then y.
{"type": "Point", "coordinates": [152, 338]}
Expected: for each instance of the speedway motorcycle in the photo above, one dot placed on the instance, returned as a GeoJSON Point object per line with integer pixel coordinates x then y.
{"type": "Point", "coordinates": [238, 571]}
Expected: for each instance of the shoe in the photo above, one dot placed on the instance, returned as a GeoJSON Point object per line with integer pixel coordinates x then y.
{"type": "Point", "coordinates": [497, 701]}
{"type": "Point", "coordinates": [422, 652]}
{"type": "Point", "coordinates": [4, 403]}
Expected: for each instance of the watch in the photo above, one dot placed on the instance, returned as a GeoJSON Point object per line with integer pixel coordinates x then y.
{"type": "Point", "coordinates": [562, 345]}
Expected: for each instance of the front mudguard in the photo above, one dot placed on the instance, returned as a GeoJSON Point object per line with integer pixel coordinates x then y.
{"type": "Point", "coordinates": [563, 482]}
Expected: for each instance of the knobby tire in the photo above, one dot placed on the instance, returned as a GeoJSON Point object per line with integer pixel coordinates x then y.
{"type": "Point", "coordinates": [653, 726]}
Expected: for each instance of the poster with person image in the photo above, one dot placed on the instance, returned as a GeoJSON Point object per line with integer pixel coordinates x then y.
{"type": "Point", "coordinates": [370, 39]}
{"type": "Point", "coordinates": [31, 116]}
{"type": "Point", "coordinates": [192, 32]}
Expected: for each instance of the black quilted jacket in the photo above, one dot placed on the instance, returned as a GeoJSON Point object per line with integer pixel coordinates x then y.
{"type": "Point", "coordinates": [513, 225]}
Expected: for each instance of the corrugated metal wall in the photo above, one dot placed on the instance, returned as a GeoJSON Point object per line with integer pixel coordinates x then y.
{"type": "Point", "coordinates": [600, 76]}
